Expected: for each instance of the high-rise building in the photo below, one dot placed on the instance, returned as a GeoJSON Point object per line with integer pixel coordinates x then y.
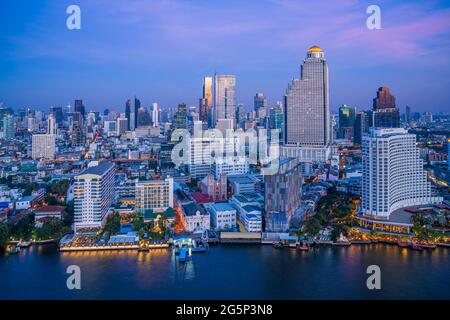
{"type": "Point", "coordinates": [128, 113]}
{"type": "Point", "coordinates": [384, 114]}
{"type": "Point", "coordinates": [207, 90]}
{"type": "Point", "coordinates": [137, 106]}
{"type": "Point", "coordinates": [155, 195]}
{"type": "Point", "coordinates": [408, 114]}
{"type": "Point", "coordinates": [122, 125]}
{"type": "Point", "coordinates": [51, 124]}
{"type": "Point", "coordinates": [393, 175]}
{"type": "Point", "coordinates": [361, 127]}
{"type": "Point", "coordinates": [79, 107]}
{"type": "Point", "coordinates": [180, 117]}
{"type": "Point", "coordinates": [94, 194]}
{"type": "Point", "coordinates": [276, 121]}
{"type": "Point", "coordinates": [282, 195]}
{"type": "Point", "coordinates": [260, 105]}
{"type": "Point", "coordinates": [43, 146]}
{"type": "Point", "coordinates": [143, 117]}
{"type": "Point", "coordinates": [8, 127]}
{"type": "Point", "coordinates": [155, 114]}
{"type": "Point", "coordinates": [58, 113]}
{"type": "Point", "coordinates": [224, 97]}
{"type": "Point", "coordinates": [307, 122]}
{"type": "Point", "coordinates": [347, 116]}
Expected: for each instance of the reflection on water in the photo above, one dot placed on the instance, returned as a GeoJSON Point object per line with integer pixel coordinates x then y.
{"type": "Point", "coordinates": [228, 272]}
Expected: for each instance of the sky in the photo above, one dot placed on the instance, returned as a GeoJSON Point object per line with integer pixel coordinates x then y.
{"type": "Point", "coordinates": [160, 50]}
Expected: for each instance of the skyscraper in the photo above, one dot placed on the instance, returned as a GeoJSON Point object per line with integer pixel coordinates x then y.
{"type": "Point", "coordinates": [180, 117]}
{"type": "Point", "coordinates": [306, 110]}
{"type": "Point", "coordinates": [282, 195]}
{"type": "Point", "coordinates": [51, 124]}
{"type": "Point", "coordinates": [346, 122]}
{"type": "Point", "coordinates": [384, 112]}
{"type": "Point", "coordinates": [393, 174]}
{"type": "Point", "coordinates": [260, 105]}
{"type": "Point", "coordinates": [8, 126]}
{"type": "Point", "coordinates": [137, 105]}
{"type": "Point", "coordinates": [207, 90]}
{"type": "Point", "coordinates": [79, 107]}
{"type": "Point", "coordinates": [155, 114]}
{"type": "Point", "coordinates": [128, 113]}
{"type": "Point", "coordinates": [93, 195]}
{"type": "Point", "coordinates": [143, 117]}
{"type": "Point", "coordinates": [408, 114]}
{"type": "Point", "coordinates": [155, 195]}
{"type": "Point", "coordinates": [361, 127]}
{"type": "Point", "coordinates": [224, 97]}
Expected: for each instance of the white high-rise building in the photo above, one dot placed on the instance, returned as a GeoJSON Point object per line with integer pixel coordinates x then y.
{"type": "Point", "coordinates": [155, 195]}
{"type": "Point", "coordinates": [122, 125]}
{"type": "Point", "coordinates": [307, 111]}
{"type": "Point", "coordinates": [43, 146]}
{"type": "Point", "coordinates": [224, 97]}
{"type": "Point", "coordinates": [393, 175]}
{"type": "Point", "coordinates": [51, 124]}
{"type": "Point", "coordinates": [155, 114]}
{"type": "Point", "coordinates": [94, 194]}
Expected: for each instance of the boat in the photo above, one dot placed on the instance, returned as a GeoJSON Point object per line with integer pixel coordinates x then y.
{"type": "Point", "coordinates": [427, 245]}
{"type": "Point", "coordinates": [278, 245]}
{"type": "Point", "coordinates": [342, 241]}
{"type": "Point", "coordinates": [302, 246]}
{"type": "Point", "coordinates": [199, 249]}
{"type": "Point", "coordinates": [24, 244]}
{"type": "Point", "coordinates": [416, 246]}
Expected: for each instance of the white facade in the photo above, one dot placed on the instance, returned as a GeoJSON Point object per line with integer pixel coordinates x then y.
{"type": "Point", "coordinates": [233, 165]}
{"type": "Point", "coordinates": [93, 195]}
{"type": "Point", "coordinates": [43, 146]}
{"type": "Point", "coordinates": [155, 114]}
{"type": "Point", "coordinates": [223, 216]}
{"type": "Point", "coordinates": [393, 175]}
{"type": "Point", "coordinates": [197, 221]}
{"type": "Point", "coordinates": [156, 195]}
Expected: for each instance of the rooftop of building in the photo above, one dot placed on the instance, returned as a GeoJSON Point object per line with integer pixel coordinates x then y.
{"type": "Point", "coordinates": [99, 169]}
{"type": "Point", "coordinates": [223, 206]}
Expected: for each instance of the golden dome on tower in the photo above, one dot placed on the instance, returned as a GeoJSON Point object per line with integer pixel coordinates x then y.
{"type": "Point", "coordinates": [315, 49]}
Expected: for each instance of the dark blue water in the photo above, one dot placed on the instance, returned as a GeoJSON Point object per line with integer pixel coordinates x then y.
{"type": "Point", "coordinates": [229, 272]}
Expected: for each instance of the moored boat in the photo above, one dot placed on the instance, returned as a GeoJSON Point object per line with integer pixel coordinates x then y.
{"type": "Point", "coordinates": [302, 246]}
{"type": "Point", "coordinates": [416, 246]}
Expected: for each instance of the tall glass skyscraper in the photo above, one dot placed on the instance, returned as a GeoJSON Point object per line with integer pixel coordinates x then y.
{"type": "Point", "coordinates": [307, 110]}
{"type": "Point", "coordinates": [224, 97]}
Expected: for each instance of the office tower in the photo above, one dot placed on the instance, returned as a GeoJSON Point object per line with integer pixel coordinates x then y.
{"type": "Point", "coordinates": [224, 97]}
{"type": "Point", "coordinates": [393, 175]}
{"type": "Point", "coordinates": [122, 125]}
{"type": "Point", "coordinates": [128, 113]}
{"type": "Point", "coordinates": [78, 134]}
{"type": "Point", "coordinates": [79, 107]}
{"type": "Point", "coordinates": [260, 105]}
{"type": "Point", "coordinates": [143, 117]}
{"type": "Point", "coordinates": [8, 127]}
{"type": "Point", "coordinates": [361, 127]}
{"type": "Point", "coordinates": [207, 90]}
{"type": "Point", "coordinates": [155, 114]}
{"type": "Point", "coordinates": [180, 117]}
{"type": "Point", "coordinates": [137, 106]}
{"type": "Point", "coordinates": [347, 117]}
{"type": "Point", "coordinates": [282, 195]}
{"type": "Point", "coordinates": [307, 130]}
{"type": "Point", "coordinates": [384, 112]}
{"type": "Point", "coordinates": [93, 195]}
{"type": "Point", "coordinates": [407, 114]}
{"type": "Point", "coordinates": [43, 146]}
{"type": "Point", "coordinates": [155, 195]}
{"type": "Point", "coordinates": [276, 120]}
{"type": "Point", "coordinates": [58, 113]}
{"type": "Point", "coordinates": [203, 110]}
{"type": "Point", "coordinates": [51, 124]}
{"type": "Point", "coordinates": [240, 115]}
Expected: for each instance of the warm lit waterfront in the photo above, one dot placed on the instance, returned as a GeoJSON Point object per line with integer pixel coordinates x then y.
{"type": "Point", "coordinates": [229, 272]}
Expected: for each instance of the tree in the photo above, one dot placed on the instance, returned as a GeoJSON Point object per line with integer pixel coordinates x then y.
{"type": "Point", "coordinates": [4, 236]}
{"type": "Point", "coordinates": [113, 224]}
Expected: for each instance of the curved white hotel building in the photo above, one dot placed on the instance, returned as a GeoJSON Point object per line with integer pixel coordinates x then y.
{"type": "Point", "coordinates": [393, 174]}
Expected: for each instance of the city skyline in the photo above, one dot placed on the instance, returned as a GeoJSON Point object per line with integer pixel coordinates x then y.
{"type": "Point", "coordinates": [47, 65]}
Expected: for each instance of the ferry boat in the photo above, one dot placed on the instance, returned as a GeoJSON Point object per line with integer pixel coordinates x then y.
{"type": "Point", "coordinates": [278, 245]}
{"type": "Point", "coordinates": [416, 246]}
{"type": "Point", "coordinates": [302, 246]}
{"type": "Point", "coordinates": [342, 241]}
{"type": "Point", "coordinates": [24, 244]}
{"type": "Point", "coordinates": [427, 245]}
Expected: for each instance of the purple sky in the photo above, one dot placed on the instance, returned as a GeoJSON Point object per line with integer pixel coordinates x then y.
{"type": "Point", "coordinates": [160, 50]}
